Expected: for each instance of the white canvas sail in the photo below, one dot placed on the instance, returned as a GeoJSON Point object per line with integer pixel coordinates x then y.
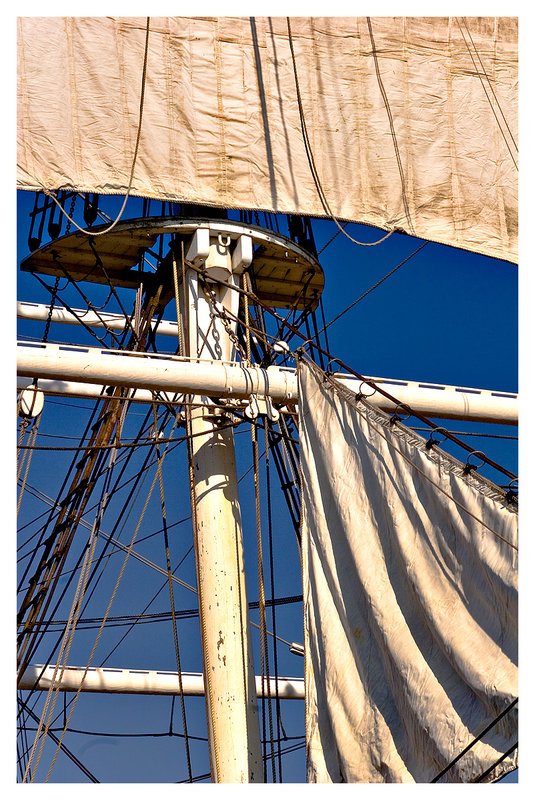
{"type": "Point", "coordinates": [411, 122]}
{"type": "Point", "coordinates": [410, 601]}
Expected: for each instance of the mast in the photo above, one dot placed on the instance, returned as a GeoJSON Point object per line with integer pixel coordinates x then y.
{"type": "Point", "coordinates": [231, 703]}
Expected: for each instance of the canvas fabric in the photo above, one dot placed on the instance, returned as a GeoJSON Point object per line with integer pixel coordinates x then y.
{"type": "Point", "coordinates": [410, 595]}
{"type": "Point", "coordinates": [412, 122]}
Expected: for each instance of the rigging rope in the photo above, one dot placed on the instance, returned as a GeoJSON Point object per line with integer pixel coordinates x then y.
{"type": "Point", "coordinates": [473, 433]}
{"type": "Point", "coordinates": [58, 543]}
{"type": "Point", "coordinates": [478, 73]}
{"type": "Point", "coordinates": [113, 290]}
{"type": "Point", "coordinates": [164, 616]}
{"type": "Point", "coordinates": [171, 596]}
{"type": "Point", "coordinates": [310, 156]}
{"type": "Point", "coordinates": [264, 653]}
{"type": "Point", "coordinates": [137, 617]}
{"type": "Point", "coordinates": [475, 741]}
{"type": "Point", "coordinates": [102, 620]}
{"type": "Point", "coordinates": [134, 159]}
{"type": "Point", "coordinates": [91, 307]}
{"type": "Point", "coordinates": [82, 522]}
{"type": "Point", "coordinates": [56, 505]}
{"type": "Point", "coordinates": [43, 598]}
{"type": "Point", "coordinates": [487, 772]}
{"type": "Point", "coordinates": [379, 388]}
{"type": "Point", "coordinates": [68, 635]}
{"type": "Point", "coordinates": [111, 600]}
{"type": "Point", "coordinates": [272, 587]}
{"type": "Point", "coordinates": [331, 240]}
{"type": "Point", "coordinates": [123, 735]}
{"type": "Point", "coordinates": [65, 749]}
{"type": "Point", "coordinates": [374, 286]}
{"type": "Point", "coordinates": [391, 124]}
{"type": "Point", "coordinates": [26, 457]}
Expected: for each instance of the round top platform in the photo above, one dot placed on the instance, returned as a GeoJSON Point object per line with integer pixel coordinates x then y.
{"type": "Point", "coordinates": [283, 273]}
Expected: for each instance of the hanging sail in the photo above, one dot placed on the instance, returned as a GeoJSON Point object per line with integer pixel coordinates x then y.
{"type": "Point", "coordinates": [410, 602]}
{"type": "Point", "coordinates": [401, 123]}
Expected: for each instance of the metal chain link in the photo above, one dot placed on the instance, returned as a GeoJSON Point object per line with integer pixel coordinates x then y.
{"type": "Point", "coordinates": [210, 294]}
{"type": "Point", "coordinates": [226, 322]}
{"type": "Point", "coordinates": [56, 282]}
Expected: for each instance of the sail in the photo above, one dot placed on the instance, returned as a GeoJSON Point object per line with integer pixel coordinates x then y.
{"type": "Point", "coordinates": [400, 123]}
{"type": "Point", "coordinates": [410, 602]}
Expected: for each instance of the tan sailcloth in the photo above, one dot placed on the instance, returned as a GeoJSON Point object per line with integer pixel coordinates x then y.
{"type": "Point", "coordinates": [411, 123]}
{"type": "Point", "coordinates": [410, 602]}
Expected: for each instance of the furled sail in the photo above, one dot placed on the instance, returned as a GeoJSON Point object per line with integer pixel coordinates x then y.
{"type": "Point", "coordinates": [410, 602]}
{"type": "Point", "coordinates": [406, 123]}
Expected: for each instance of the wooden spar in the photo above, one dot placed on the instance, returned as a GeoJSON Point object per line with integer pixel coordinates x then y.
{"type": "Point", "coordinates": [144, 681]}
{"type": "Point", "coordinates": [72, 370]}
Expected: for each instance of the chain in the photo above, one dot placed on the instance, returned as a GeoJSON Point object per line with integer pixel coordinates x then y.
{"type": "Point", "coordinates": [51, 309]}
{"type": "Point", "coordinates": [210, 294]}
{"type": "Point", "coordinates": [56, 282]}
{"type": "Point", "coordinates": [71, 214]}
{"type": "Point", "coordinates": [215, 313]}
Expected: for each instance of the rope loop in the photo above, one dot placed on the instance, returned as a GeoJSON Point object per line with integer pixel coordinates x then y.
{"type": "Point", "coordinates": [511, 495]}
{"type": "Point", "coordinates": [468, 468]}
{"type": "Point", "coordinates": [431, 441]}
{"type": "Point", "coordinates": [360, 395]}
{"type": "Point", "coordinates": [328, 366]}
{"type": "Point", "coordinates": [396, 417]}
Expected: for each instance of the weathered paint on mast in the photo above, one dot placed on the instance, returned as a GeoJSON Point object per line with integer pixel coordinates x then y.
{"type": "Point", "coordinates": [231, 700]}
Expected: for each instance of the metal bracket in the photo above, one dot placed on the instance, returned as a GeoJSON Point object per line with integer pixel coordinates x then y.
{"type": "Point", "coordinates": [261, 407]}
